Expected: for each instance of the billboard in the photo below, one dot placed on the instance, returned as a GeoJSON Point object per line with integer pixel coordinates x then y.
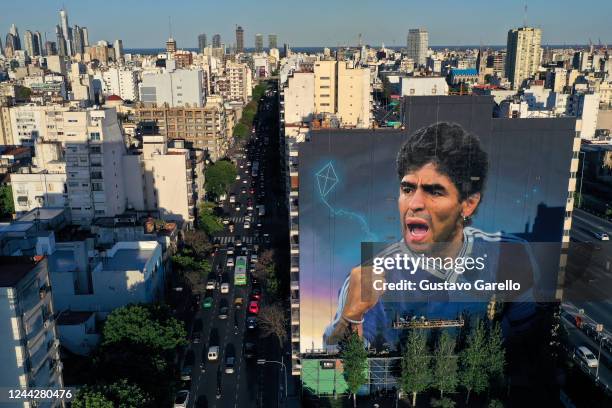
{"type": "Point", "coordinates": [350, 210]}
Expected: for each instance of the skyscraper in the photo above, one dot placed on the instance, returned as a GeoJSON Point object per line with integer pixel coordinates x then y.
{"type": "Point", "coordinates": [38, 40]}
{"type": "Point", "coordinates": [118, 48]}
{"type": "Point", "coordinates": [50, 48]}
{"type": "Point", "coordinates": [201, 43]}
{"type": "Point", "coordinates": [523, 55]}
{"type": "Point", "coordinates": [16, 42]}
{"type": "Point", "coordinates": [78, 42]}
{"type": "Point", "coordinates": [258, 42]}
{"type": "Point", "coordinates": [417, 44]}
{"type": "Point", "coordinates": [62, 48]}
{"type": "Point", "coordinates": [239, 39]}
{"type": "Point", "coordinates": [216, 41]}
{"type": "Point", "coordinates": [66, 34]}
{"type": "Point", "coordinates": [85, 36]}
{"type": "Point", "coordinates": [272, 41]}
{"type": "Point", "coordinates": [28, 43]}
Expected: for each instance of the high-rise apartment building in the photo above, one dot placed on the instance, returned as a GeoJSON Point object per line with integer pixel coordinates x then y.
{"type": "Point", "coordinates": [78, 40]}
{"type": "Point", "coordinates": [524, 53]}
{"type": "Point", "coordinates": [28, 43]}
{"type": "Point", "coordinates": [272, 41]}
{"type": "Point", "coordinates": [38, 41]}
{"type": "Point", "coordinates": [85, 36]}
{"type": "Point", "coordinates": [122, 82]}
{"type": "Point", "coordinates": [118, 48]}
{"type": "Point", "coordinates": [201, 43]}
{"type": "Point", "coordinates": [180, 87]}
{"type": "Point", "coordinates": [239, 39]}
{"type": "Point", "coordinates": [239, 76]}
{"type": "Point", "coordinates": [258, 42]}
{"type": "Point", "coordinates": [417, 45]}
{"type": "Point", "coordinates": [62, 47]}
{"type": "Point", "coordinates": [216, 41]}
{"type": "Point", "coordinates": [16, 41]}
{"type": "Point", "coordinates": [205, 127]}
{"type": "Point", "coordinates": [29, 345]}
{"type": "Point", "coordinates": [94, 148]}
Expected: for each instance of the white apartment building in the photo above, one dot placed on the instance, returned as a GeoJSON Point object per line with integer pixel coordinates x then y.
{"type": "Point", "coordinates": [586, 108]}
{"type": "Point", "coordinates": [354, 96]}
{"type": "Point", "coordinates": [524, 54]}
{"type": "Point", "coordinates": [325, 86]}
{"type": "Point", "coordinates": [180, 87]}
{"type": "Point", "coordinates": [122, 82]}
{"type": "Point", "coordinates": [38, 189]}
{"type": "Point", "coordinates": [29, 345]}
{"type": "Point", "coordinates": [299, 97]}
{"type": "Point", "coordinates": [94, 148]}
{"type": "Point", "coordinates": [417, 45]}
{"type": "Point", "coordinates": [423, 86]}
{"type": "Point", "coordinates": [161, 179]}
{"type": "Point", "coordinates": [240, 82]}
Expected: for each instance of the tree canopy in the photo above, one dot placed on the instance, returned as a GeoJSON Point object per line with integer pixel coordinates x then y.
{"type": "Point", "coordinates": [416, 373]}
{"type": "Point", "coordinates": [207, 220]}
{"type": "Point", "coordinates": [219, 176]}
{"type": "Point", "coordinates": [355, 363]}
{"type": "Point", "coordinates": [7, 208]}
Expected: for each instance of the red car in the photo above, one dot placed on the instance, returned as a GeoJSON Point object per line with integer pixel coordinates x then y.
{"type": "Point", "coordinates": [254, 307]}
{"type": "Point", "coordinates": [252, 190]}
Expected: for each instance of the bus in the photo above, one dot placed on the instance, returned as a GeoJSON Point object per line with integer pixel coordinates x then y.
{"type": "Point", "coordinates": [240, 278]}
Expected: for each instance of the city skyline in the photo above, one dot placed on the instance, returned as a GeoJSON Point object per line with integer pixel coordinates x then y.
{"type": "Point", "coordinates": [445, 24]}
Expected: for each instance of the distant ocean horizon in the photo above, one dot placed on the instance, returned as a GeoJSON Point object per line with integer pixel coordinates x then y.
{"type": "Point", "coordinates": [313, 50]}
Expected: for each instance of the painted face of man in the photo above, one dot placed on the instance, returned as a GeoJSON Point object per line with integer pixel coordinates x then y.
{"type": "Point", "coordinates": [431, 211]}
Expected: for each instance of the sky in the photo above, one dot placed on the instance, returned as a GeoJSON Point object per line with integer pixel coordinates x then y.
{"type": "Point", "coordinates": [144, 23]}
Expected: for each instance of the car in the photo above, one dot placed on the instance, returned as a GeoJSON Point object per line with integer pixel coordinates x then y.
{"type": "Point", "coordinates": [213, 353]}
{"type": "Point", "coordinates": [241, 166]}
{"type": "Point", "coordinates": [250, 350]}
{"type": "Point", "coordinates": [238, 241]}
{"type": "Point", "coordinates": [207, 303]}
{"type": "Point", "coordinates": [602, 236]}
{"type": "Point", "coordinates": [587, 356]}
{"type": "Point", "coordinates": [244, 181]}
{"type": "Point", "coordinates": [229, 364]}
{"type": "Point", "coordinates": [243, 190]}
{"type": "Point", "coordinates": [226, 220]}
{"type": "Point", "coordinates": [230, 250]}
{"type": "Point", "coordinates": [250, 206]}
{"type": "Point", "coordinates": [238, 302]}
{"type": "Point", "coordinates": [181, 399]}
{"type": "Point", "coordinates": [247, 225]}
{"type": "Point", "coordinates": [237, 207]}
{"type": "Point", "coordinates": [187, 366]}
{"type": "Point", "coordinates": [254, 307]}
{"type": "Point", "coordinates": [196, 331]}
{"type": "Point", "coordinates": [225, 287]}
{"type": "Point", "coordinates": [230, 262]}
{"type": "Point", "coordinates": [237, 176]}
{"type": "Point", "coordinates": [252, 190]}
{"type": "Point", "coordinates": [211, 284]}
{"type": "Point", "coordinates": [254, 258]}
{"type": "Point", "coordinates": [256, 294]}
{"type": "Point", "coordinates": [251, 322]}
{"type": "Point", "coordinates": [223, 312]}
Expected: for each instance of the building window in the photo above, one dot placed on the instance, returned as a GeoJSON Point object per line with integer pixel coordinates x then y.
{"type": "Point", "coordinates": [94, 135]}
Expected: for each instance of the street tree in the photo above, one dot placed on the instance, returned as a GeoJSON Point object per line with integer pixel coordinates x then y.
{"type": "Point", "coordinates": [207, 220]}
{"type": "Point", "coordinates": [496, 354]}
{"type": "Point", "coordinates": [198, 241]}
{"type": "Point", "coordinates": [442, 403]}
{"type": "Point", "coordinates": [445, 365]}
{"type": "Point", "coordinates": [88, 397]}
{"type": "Point", "coordinates": [355, 363]}
{"type": "Point", "coordinates": [219, 176]}
{"type": "Point", "coordinates": [273, 322]}
{"type": "Point", "coordinates": [416, 371]}
{"type": "Point", "coordinates": [126, 395]}
{"type": "Point", "coordinates": [473, 361]}
{"type": "Point", "coordinates": [241, 131]}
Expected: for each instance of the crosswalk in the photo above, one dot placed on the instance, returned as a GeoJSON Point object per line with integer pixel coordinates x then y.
{"type": "Point", "coordinates": [245, 240]}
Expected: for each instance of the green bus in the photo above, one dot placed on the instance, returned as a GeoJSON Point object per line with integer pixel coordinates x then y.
{"type": "Point", "coordinates": [240, 278]}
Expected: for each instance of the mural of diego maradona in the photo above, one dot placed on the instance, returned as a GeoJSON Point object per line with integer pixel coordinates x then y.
{"type": "Point", "coordinates": [442, 171]}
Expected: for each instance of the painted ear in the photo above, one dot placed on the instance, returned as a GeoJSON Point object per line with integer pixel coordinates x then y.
{"type": "Point", "coordinates": [469, 205]}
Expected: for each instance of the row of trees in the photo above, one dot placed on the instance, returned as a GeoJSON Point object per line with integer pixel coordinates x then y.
{"type": "Point", "coordinates": [135, 363]}
{"type": "Point", "coordinates": [440, 365]}
{"type": "Point", "coordinates": [242, 128]}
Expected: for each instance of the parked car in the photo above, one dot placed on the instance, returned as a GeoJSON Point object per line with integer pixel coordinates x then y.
{"type": "Point", "coordinates": [181, 399]}
{"type": "Point", "coordinates": [587, 356]}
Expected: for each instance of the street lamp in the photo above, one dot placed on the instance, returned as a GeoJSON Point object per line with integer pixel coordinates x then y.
{"type": "Point", "coordinates": [263, 361]}
{"type": "Point", "coordinates": [599, 329]}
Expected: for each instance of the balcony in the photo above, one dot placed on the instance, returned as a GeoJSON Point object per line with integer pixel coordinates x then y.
{"type": "Point", "coordinates": [295, 303]}
{"type": "Point", "coordinates": [295, 317]}
{"type": "Point", "coordinates": [295, 285]}
{"type": "Point", "coordinates": [295, 249]}
{"type": "Point", "coordinates": [295, 337]}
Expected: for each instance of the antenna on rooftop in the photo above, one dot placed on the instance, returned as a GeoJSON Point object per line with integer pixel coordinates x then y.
{"type": "Point", "coordinates": [169, 27]}
{"type": "Point", "coordinates": [525, 15]}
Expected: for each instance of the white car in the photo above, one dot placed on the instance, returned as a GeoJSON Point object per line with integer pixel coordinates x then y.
{"type": "Point", "coordinates": [213, 353]}
{"type": "Point", "coordinates": [211, 284]}
{"type": "Point", "coordinates": [254, 258]}
{"type": "Point", "coordinates": [230, 250]}
{"type": "Point", "coordinates": [602, 236]}
{"type": "Point", "coordinates": [247, 225]}
{"type": "Point", "coordinates": [587, 356]}
{"type": "Point", "coordinates": [182, 399]}
{"type": "Point", "coordinates": [237, 176]}
{"type": "Point", "coordinates": [230, 262]}
{"type": "Point", "coordinates": [225, 287]}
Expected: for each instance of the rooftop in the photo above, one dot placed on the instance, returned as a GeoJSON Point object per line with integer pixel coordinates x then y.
{"type": "Point", "coordinates": [131, 256]}
{"type": "Point", "coordinates": [14, 268]}
{"type": "Point", "coordinates": [39, 214]}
